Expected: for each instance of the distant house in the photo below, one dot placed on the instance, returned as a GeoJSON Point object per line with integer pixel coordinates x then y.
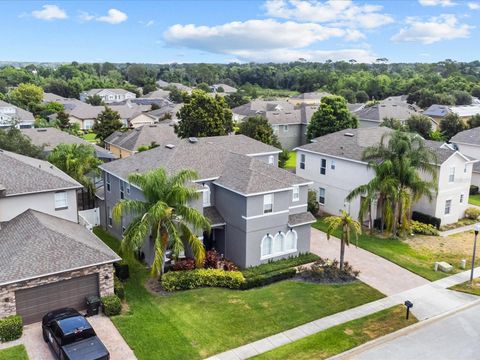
{"type": "Point", "coordinates": [49, 138]}
{"type": "Point", "coordinates": [168, 112]}
{"type": "Point", "coordinates": [335, 165]}
{"type": "Point", "coordinates": [465, 112]}
{"type": "Point", "coordinates": [11, 115]}
{"type": "Point", "coordinates": [227, 89]}
{"type": "Point", "coordinates": [157, 94]}
{"type": "Point", "coordinates": [310, 98]}
{"type": "Point", "coordinates": [126, 143]}
{"type": "Point", "coordinates": [373, 115]}
{"type": "Point", "coordinates": [259, 107]}
{"type": "Point", "coordinates": [108, 95]}
{"type": "Point", "coordinates": [468, 143]}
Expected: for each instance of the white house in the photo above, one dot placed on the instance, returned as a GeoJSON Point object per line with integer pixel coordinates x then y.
{"type": "Point", "coordinates": [11, 115]}
{"type": "Point", "coordinates": [468, 143]}
{"type": "Point", "coordinates": [108, 95]}
{"type": "Point", "coordinates": [334, 163]}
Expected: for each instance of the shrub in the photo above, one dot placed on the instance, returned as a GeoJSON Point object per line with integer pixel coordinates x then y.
{"type": "Point", "coordinates": [424, 229]}
{"type": "Point", "coordinates": [268, 278]}
{"type": "Point", "coordinates": [11, 328]}
{"type": "Point", "coordinates": [121, 270]}
{"type": "Point", "coordinates": [184, 264]}
{"type": "Point", "coordinates": [426, 219]}
{"type": "Point", "coordinates": [111, 305]}
{"type": "Point", "coordinates": [118, 288]}
{"type": "Point", "coordinates": [184, 280]}
{"type": "Point", "coordinates": [312, 202]}
{"type": "Point", "coordinates": [473, 189]}
{"type": "Point", "coordinates": [213, 260]}
{"type": "Point", "coordinates": [325, 270]}
{"type": "Point", "coordinates": [275, 266]}
{"type": "Point", "coordinates": [472, 213]}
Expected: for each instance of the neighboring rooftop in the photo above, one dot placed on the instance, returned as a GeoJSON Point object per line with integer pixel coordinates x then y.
{"type": "Point", "coordinates": [260, 107]}
{"type": "Point", "coordinates": [227, 89]}
{"type": "Point", "coordinates": [471, 136]}
{"type": "Point", "coordinates": [443, 110]}
{"type": "Point", "coordinates": [18, 113]}
{"type": "Point", "coordinates": [386, 109]}
{"type": "Point", "coordinates": [93, 92]}
{"type": "Point", "coordinates": [127, 111]}
{"type": "Point", "coordinates": [157, 94]}
{"type": "Point", "coordinates": [315, 95]}
{"type": "Point", "coordinates": [284, 117]}
{"type": "Point", "coordinates": [35, 244]}
{"type": "Point", "coordinates": [29, 175]}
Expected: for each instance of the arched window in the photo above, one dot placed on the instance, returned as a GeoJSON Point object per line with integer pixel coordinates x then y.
{"type": "Point", "coordinates": [271, 160]}
{"type": "Point", "coordinates": [267, 244]}
{"type": "Point", "coordinates": [291, 240]}
{"type": "Point", "coordinates": [206, 195]}
{"type": "Point", "coordinates": [279, 243]}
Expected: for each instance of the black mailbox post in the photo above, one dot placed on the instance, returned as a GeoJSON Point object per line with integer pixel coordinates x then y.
{"type": "Point", "coordinates": [409, 305]}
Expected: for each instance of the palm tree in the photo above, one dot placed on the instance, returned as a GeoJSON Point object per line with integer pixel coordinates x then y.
{"type": "Point", "coordinates": [347, 226]}
{"type": "Point", "coordinates": [165, 214]}
{"type": "Point", "coordinates": [77, 160]}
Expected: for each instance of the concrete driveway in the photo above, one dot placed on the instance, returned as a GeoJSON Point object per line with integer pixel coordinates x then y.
{"type": "Point", "coordinates": [38, 349]}
{"type": "Point", "coordinates": [375, 271]}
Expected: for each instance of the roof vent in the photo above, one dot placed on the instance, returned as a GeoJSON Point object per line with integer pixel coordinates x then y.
{"type": "Point", "coordinates": [41, 130]}
{"type": "Point", "coordinates": [169, 146]}
{"type": "Point", "coordinates": [349, 134]}
{"type": "Point", "coordinates": [192, 140]}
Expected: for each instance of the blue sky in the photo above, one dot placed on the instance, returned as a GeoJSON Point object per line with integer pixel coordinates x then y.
{"type": "Point", "coordinates": [226, 31]}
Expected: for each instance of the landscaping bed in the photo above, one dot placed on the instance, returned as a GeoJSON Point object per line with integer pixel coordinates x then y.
{"type": "Point", "coordinates": [14, 353]}
{"type": "Point", "coordinates": [467, 288]}
{"type": "Point", "coordinates": [343, 337]}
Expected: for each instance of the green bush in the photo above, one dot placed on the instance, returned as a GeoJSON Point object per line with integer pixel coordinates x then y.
{"type": "Point", "coordinates": [424, 229]}
{"type": "Point", "coordinates": [426, 219]}
{"type": "Point", "coordinates": [275, 266]}
{"type": "Point", "coordinates": [112, 305]}
{"type": "Point", "coordinates": [11, 328]}
{"type": "Point", "coordinates": [192, 279]}
{"type": "Point", "coordinates": [472, 213]}
{"type": "Point", "coordinates": [118, 288]}
{"type": "Point", "coordinates": [268, 278]}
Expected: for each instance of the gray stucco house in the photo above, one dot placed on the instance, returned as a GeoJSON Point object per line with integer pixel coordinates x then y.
{"type": "Point", "coordinates": [258, 211]}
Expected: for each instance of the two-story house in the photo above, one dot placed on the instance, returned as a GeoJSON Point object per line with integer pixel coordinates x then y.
{"type": "Point", "coordinates": [335, 165]}
{"type": "Point", "coordinates": [258, 211]}
{"type": "Point", "coordinates": [468, 143]}
{"type": "Point", "coordinates": [43, 249]}
{"type": "Point", "coordinates": [108, 95]}
{"type": "Point", "coordinates": [11, 115]}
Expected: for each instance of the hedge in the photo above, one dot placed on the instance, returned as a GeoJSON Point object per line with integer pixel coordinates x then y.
{"type": "Point", "coordinates": [118, 288]}
{"type": "Point", "coordinates": [423, 229]}
{"type": "Point", "coordinates": [112, 305]}
{"type": "Point", "coordinates": [426, 219]}
{"type": "Point", "coordinates": [192, 279]}
{"type": "Point", "coordinates": [122, 270]}
{"type": "Point", "coordinates": [11, 328]}
{"type": "Point", "coordinates": [268, 278]}
{"type": "Point", "coordinates": [275, 266]}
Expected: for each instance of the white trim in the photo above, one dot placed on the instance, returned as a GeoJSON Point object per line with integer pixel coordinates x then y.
{"type": "Point", "coordinates": [44, 191]}
{"type": "Point", "coordinates": [278, 254]}
{"type": "Point", "coordinates": [297, 206]}
{"type": "Point", "coordinates": [253, 194]}
{"type": "Point", "coordinates": [265, 153]}
{"type": "Point", "coordinates": [332, 156]}
{"type": "Point", "coordinates": [262, 215]}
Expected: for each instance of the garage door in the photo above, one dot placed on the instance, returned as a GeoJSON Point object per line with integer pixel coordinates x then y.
{"type": "Point", "coordinates": [35, 302]}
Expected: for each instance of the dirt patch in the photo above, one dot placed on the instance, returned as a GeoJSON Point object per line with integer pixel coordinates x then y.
{"type": "Point", "coordinates": [348, 331]}
{"type": "Point", "coordinates": [461, 244]}
{"type": "Point", "coordinates": [154, 287]}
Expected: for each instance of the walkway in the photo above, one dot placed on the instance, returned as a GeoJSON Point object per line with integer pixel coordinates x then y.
{"type": "Point", "coordinates": [383, 275]}
{"type": "Point", "coordinates": [428, 300]}
{"type": "Point", "coordinates": [457, 230]}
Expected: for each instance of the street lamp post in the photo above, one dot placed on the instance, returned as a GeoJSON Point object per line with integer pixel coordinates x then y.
{"type": "Point", "coordinates": [476, 229]}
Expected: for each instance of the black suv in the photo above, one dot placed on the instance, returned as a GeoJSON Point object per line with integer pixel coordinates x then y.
{"type": "Point", "coordinates": [71, 336]}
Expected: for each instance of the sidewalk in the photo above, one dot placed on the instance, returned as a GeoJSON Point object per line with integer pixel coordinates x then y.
{"type": "Point", "coordinates": [428, 300]}
{"type": "Point", "coordinates": [457, 230]}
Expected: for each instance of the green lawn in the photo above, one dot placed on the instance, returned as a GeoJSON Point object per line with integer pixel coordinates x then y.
{"type": "Point", "coordinates": [292, 160]}
{"type": "Point", "coordinates": [474, 199]}
{"type": "Point", "coordinates": [199, 323]}
{"type": "Point", "coordinates": [340, 338]}
{"type": "Point", "coordinates": [90, 137]}
{"type": "Point", "coordinates": [399, 252]}
{"type": "Point", "coordinates": [14, 353]}
{"type": "Point", "coordinates": [466, 288]}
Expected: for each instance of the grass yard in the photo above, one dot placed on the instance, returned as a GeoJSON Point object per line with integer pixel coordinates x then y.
{"type": "Point", "coordinates": [340, 338]}
{"type": "Point", "coordinates": [292, 160]}
{"type": "Point", "coordinates": [199, 323]}
{"type": "Point", "coordinates": [14, 353]}
{"type": "Point", "coordinates": [466, 288]}
{"type": "Point", "coordinates": [90, 137]}
{"type": "Point", "coordinates": [419, 260]}
{"type": "Point", "coordinates": [474, 199]}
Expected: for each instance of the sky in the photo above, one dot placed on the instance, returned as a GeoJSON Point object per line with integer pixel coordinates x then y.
{"type": "Point", "coordinates": [225, 31]}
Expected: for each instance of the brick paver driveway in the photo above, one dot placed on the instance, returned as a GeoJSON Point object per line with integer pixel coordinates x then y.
{"type": "Point", "coordinates": [375, 271]}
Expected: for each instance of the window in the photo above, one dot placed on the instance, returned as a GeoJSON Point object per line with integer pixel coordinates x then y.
{"type": "Point", "coordinates": [462, 196]}
{"type": "Point", "coordinates": [271, 160]}
{"type": "Point", "coordinates": [206, 195]}
{"type": "Point", "coordinates": [267, 244]}
{"type": "Point", "coordinates": [333, 165]}
{"type": "Point", "coordinates": [108, 181]}
{"type": "Point", "coordinates": [451, 175]}
{"type": "Point", "coordinates": [267, 203]}
{"type": "Point", "coordinates": [323, 166]}
{"type": "Point", "coordinates": [296, 193]}
{"type": "Point", "coordinates": [321, 196]}
{"type": "Point", "coordinates": [61, 200]}
{"type": "Point", "coordinates": [302, 161]}
{"type": "Point", "coordinates": [127, 186]}
{"type": "Point", "coordinates": [110, 220]}
{"type": "Point", "coordinates": [285, 128]}
{"type": "Point", "coordinates": [279, 243]}
{"type": "Point", "coordinates": [275, 128]}
{"type": "Point", "coordinates": [448, 205]}
{"type": "Point", "coordinates": [122, 190]}
{"type": "Point", "coordinates": [291, 240]}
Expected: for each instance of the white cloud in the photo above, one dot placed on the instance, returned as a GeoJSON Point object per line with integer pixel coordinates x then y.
{"type": "Point", "coordinates": [50, 12]}
{"type": "Point", "coordinates": [442, 3]}
{"type": "Point", "coordinates": [113, 16]}
{"type": "Point", "coordinates": [84, 16]}
{"type": "Point", "coordinates": [345, 12]}
{"type": "Point", "coordinates": [443, 27]}
{"type": "Point", "coordinates": [473, 6]}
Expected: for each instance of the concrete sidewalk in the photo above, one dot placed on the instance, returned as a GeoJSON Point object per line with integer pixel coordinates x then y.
{"type": "Point", "coordinates": [429, 300]}
{"type": "Point", "coordinates": [456, 231]}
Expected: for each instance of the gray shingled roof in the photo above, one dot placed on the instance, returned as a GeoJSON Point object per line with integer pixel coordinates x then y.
{"type": "Point", "coordinates": [386, 109]}
{"type": "Point", "coordinates": [316, 95]}
{"type": "Point", "coordinates": [20, 114]}
{"type": "Point", "coordinates": [35, 244]}
{"type": "Point", "coordinates": [301, 219]}
{"type": "Point", "coordinates": [471, 136]}
{"type": "Point", "coordinates": [93, 92]}
{"type": "Point", "coordinates": [26, 175]}
{"type": "Point", "coordinates": [212, 214]}
{"type": "Point", "coordinates": [259, 107]}
{"type": "Point", "coordinates": [284, 117]}
{"type": "Point", "coordinates": [49, 138]}
{"type": "Point", "coordinates": [132, 139]}
{"type": "Point", "coordinates": [127, 111]}
{"type": "Point", "coordinates": [157, 94]}
{"type": "Point", "coordinates": [437, 110]}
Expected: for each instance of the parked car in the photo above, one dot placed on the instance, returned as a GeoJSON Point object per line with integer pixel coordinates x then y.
{"type": "Point", "coordinates": [71, 336]}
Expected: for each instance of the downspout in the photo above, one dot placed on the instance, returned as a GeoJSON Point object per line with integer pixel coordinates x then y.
{"type": "Point", "coordinates": [3, 193]}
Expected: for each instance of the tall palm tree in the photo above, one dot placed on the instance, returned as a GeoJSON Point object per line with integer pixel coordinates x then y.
{"type": "Point", "coordinates": [77, 160]}
{"type": "Point", "coordinates": [165, 214]}
{"type": "Point", "coordinates": [348, 226]}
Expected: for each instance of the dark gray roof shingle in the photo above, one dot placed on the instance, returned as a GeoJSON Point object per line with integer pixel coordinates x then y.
{"type": "Point", "coordinates": [132, 139]}
{"type": "Point", "coordinates": [301, 219]}
{"type": "Point", "coordinates": [471, 136]}
{"type": "Point", "coordinates": [212, 214]}
{"type": "Point", "coordinates": [386, 109]}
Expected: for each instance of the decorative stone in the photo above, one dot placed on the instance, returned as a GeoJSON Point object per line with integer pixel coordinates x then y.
{"type": "Point", "coordinates": [443, 266]}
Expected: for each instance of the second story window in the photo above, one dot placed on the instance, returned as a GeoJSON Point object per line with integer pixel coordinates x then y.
{"type": "Point", "coordinates": [61, 201]}
{"type": "Point", "coordinates": [267, 203]}
{"type": "Point", "coordinates": [296, 193]}
{"type": "Point", "coordinates": [451, 174]}
{"type": "Point", "coordinates": [127, 187]}
{"type": "Point", "coordinates": [333, 165]}
{"type": "Point", "coordinates": [108, 182]}
{"type": "Point", "coordinates": [323, 166]}
{"type": "Point", "coordinates": [122, 190]}
{"type": "Point", "coordinates": [302, 161]}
